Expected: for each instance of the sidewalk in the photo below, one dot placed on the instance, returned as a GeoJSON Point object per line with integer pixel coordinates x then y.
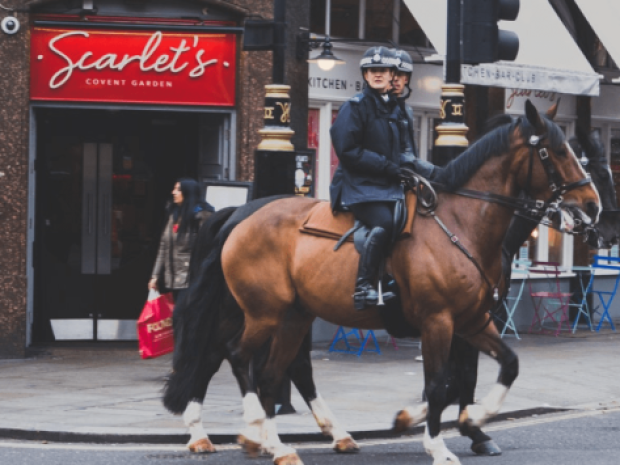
{"type": "Point", "coordinates": [106, 393]}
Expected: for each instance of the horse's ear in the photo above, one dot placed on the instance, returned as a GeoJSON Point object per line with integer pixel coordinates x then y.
{"type": "Point", "coordinates": [533, 117]}
{"type": "Point", "coordinates": [553, 109]}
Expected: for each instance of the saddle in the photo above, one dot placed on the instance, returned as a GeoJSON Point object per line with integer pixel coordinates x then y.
{"type": "Point", "coordinates": [342, 227]}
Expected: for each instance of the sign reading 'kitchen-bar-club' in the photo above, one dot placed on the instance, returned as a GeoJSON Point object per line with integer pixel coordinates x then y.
{"type": "Point", "coordinates": [94, 65]}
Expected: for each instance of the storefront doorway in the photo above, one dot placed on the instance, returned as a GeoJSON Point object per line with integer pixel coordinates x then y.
{"type": "Point", "coordinates": [102, 181]}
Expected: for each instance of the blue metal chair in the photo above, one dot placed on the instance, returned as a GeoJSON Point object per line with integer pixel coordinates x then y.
{"type": "Point", "coordinates": [582, 307]}
{"type": "Point", "coordinates": [606, 297]}
{"type": "Point", "coordinates": [511, 303]}
{"type": "Point", "coordinates": [342, 335]}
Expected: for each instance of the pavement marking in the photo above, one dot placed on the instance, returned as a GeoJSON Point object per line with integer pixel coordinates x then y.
{"type": "Point", "coordinates": [450, 433]}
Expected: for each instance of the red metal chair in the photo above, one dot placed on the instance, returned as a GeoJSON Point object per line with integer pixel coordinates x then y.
{"type": "Point", "coordinates": [551, 304]}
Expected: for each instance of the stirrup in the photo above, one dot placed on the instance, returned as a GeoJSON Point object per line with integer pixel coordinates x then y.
{"type": "Point", "coordinates": [361, 301]}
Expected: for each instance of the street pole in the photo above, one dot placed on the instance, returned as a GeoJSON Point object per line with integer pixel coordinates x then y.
{"type": "Point", "coordinates": [274, 161]}
{"type": "Point", "coordinates": [451, 140]}
{"type": "Point", "coordinates": [275, 157]}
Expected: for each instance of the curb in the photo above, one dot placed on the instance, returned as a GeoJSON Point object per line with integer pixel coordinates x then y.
{"type": "Point", "coordinates": [94, 438]}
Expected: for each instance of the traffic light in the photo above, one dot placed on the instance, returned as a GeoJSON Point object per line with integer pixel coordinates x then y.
{"type": "Point", "coordinates": [483, 41]}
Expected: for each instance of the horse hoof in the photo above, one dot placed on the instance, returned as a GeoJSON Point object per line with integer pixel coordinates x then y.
{"type": "Point", "coordinates": [290, 459]}
{"type": "Point", "coordinates": [402, 421]}
{"type": "Point", "coordinates": [202, 446]}
{"type": "Point", "coordinates": [346, 446]}
{"type": "Point", "coordinates": [487, 448]}
{"type": "Point", "coordinates": [249, 447]}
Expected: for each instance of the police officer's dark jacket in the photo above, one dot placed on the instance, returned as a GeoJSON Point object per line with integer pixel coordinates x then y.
{"type": "Point", "coordinates": [366, 139]}
{"type": "Point", "coordinates": [408, 150]}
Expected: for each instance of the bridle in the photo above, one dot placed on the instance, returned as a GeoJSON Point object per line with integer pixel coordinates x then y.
{"type": "Point", "coordinates": [532, 208]}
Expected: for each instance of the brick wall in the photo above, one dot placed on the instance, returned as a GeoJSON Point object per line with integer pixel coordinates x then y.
{"type": "Point", "coordinates": [14, 119]}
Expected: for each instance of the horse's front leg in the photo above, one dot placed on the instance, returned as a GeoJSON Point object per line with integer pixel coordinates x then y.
{"type": "Point", "coordinates": [465, 360]}
{"type": "Point", "coordinates": [439, 385]}
{"type": "Point", "coordinates": [489, 342]}
{"type": "Point", "coordinates": [300, 372]}
{"type": "Point", "coordinates": [284, 348]}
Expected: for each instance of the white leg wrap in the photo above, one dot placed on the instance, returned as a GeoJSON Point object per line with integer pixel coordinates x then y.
{"type": "Point", "coordinates": [417, 413]}
{"type": "Point", "coordinates": [271, 441]}
{"type": "Point", "coordinates": [254, 417]}
{"type": "Point", "coordinates": [326, 420]}
{"type": "Point", "coordinates": [192, 417]}
{"type": "Point", "coordinates": [490, 405]}
{"type": "Point", "coordinates": [436, 448]}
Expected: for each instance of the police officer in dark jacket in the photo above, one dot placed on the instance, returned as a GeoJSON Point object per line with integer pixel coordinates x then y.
{"type": "Point", "coordinates": [367, 182]}
{"type": "Point", "coordinates": [402, 91]}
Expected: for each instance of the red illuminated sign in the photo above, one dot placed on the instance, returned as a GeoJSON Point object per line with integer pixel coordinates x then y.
{"type": "Point", "coordinates": [133, 66]}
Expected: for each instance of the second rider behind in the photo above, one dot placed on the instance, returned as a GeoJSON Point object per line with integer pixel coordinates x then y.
{"type": "Point", "coordinates": [368, 179]}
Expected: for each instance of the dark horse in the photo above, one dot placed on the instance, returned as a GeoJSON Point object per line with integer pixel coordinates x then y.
{"type": "Point", "coordinates": [607, 231]}
{"type": "Point", "coordinates": [282, 280]}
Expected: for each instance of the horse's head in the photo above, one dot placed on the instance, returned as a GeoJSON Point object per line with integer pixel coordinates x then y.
{"type": "Point", "coordinates": [592, 151]}
{"type": "Point", "coordinates": [550, 171]}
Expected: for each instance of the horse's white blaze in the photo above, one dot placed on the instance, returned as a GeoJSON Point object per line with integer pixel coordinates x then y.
{"type": "Point", "coordinates": [192, 417]}
{"type": "Point", "coordinates": [417, 413]}
{"type": "Point", "coordinates": [326, 420]}
{"type": "Point", "coordinates": [490, 405]}
{"type": "Point", "coordinates": [254, 417]}
{"type": "Point", "coordinates": [271, 441]}
{"type": "Point", "coordinates": [436, 448]}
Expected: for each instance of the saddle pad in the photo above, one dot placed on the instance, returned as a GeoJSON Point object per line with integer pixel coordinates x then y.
{"type": "Point", "coordinates": [323, 223]}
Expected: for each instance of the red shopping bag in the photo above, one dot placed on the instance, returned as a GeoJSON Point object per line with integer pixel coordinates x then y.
{"type": "Point", "coordinates": [155, 336]}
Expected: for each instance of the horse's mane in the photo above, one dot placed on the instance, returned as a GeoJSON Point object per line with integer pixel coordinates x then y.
{"type": "Point", "coordinates": [494, 141]}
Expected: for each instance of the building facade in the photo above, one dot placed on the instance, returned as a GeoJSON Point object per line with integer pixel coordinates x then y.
{"type": "Point", "coordinates": [105, 104]}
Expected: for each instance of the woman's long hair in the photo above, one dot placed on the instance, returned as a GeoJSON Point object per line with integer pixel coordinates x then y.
{"type": "Point", "coordinates": [185, 214]}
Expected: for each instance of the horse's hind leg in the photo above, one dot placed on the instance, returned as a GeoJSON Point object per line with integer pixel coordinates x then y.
{"type": "Point", "coordinates": [199, 441]}
{"type": "Point", "coordinates": [300, 372]}
{"type": "Point", "coordinates": [464, 358]}
{"type": "Point", "coordinates": [489, 342]}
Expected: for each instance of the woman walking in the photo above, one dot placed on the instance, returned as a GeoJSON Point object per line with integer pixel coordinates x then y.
{"type": "Point", "coordinates": [186, 214]}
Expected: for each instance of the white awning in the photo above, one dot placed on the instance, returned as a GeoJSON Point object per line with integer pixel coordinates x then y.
{"type": "Point", "coordinates": [604, 17]}
{"type": "Point", "coordinates": [548, 59]}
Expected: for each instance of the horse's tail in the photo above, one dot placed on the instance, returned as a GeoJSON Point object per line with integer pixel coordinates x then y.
{"type": "Point", "coordinates": [195, 317]}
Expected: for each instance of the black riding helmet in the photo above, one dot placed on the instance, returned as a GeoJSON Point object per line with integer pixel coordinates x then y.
{"type": "Point", "coordinates": [378, 57]}
{"type": "Point", "coordinates": [404, 65]}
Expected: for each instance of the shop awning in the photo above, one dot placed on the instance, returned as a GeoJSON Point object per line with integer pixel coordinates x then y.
{"type": "Point", "coordinates": [604, 17]}
{"type": "Point", "coordinates": [548, 59]}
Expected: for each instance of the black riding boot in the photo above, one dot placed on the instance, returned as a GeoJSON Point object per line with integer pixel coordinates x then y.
{"type": "Point", "coordinates": [365, 294]}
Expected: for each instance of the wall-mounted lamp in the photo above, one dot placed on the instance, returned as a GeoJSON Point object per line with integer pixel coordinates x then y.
{"type": "Point", "coordinates": [307, 42]}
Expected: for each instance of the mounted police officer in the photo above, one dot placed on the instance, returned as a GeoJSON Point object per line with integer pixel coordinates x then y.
{"type": "Point", "coordinates": [402, 91]}
{"type": "Point", "coordinates": [367, 182]}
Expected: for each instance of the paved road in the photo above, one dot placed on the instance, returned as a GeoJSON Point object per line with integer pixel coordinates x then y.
{"type": "Point", "coordinates": [572, 438]}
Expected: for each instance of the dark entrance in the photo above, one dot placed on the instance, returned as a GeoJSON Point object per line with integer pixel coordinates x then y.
{"type": "Point", "coordinates": [103, 178]}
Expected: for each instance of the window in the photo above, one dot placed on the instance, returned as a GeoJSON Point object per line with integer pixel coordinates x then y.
{"type": "Point", "coordinates": [317, 16]}
{"type": "Point", "coordinates": [372, 20]}
{"type": "Point", "coordinates": [410, 32]}
{"type": "Point", "coordinates": [614, 160]}
{"type": "Point", "coordinates": [345, 18]}
{"type": "Point", "coordinates": [379, 14]}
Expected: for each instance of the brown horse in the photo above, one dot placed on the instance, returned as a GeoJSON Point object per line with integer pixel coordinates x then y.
{"type": "Point", "coordinates": [282, 279]}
